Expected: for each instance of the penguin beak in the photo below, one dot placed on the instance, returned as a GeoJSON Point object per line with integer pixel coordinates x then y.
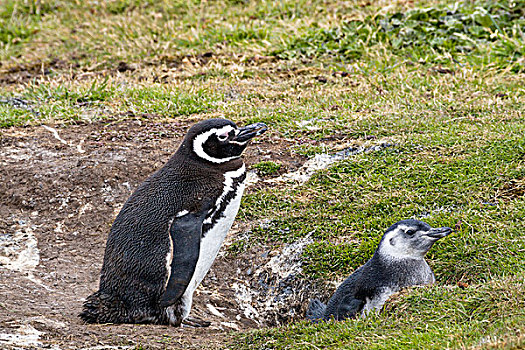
{"type": "Point", "coordinates": [438, 233]}
{"type": "Point", "coordinates": [250, 131]}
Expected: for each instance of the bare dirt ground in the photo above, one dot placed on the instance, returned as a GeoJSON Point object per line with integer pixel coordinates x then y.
{"type": "Point", "coordinates": [60, 189]}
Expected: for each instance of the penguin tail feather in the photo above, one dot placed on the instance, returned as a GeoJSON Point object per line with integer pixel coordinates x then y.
{"type": "Point", "coordinates": [91, 308]}
{"type": "Point", "coordinates": [101, 307]}
{"type": "Point", "coordinates": [316, 310]}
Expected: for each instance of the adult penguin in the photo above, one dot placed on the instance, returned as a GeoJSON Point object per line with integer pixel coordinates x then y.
{"type": "Point", "coordinates": [168, 233]}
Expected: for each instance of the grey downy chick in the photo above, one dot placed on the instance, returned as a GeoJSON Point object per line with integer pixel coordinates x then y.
{"type": "Point", "coordinates": [398, 262]}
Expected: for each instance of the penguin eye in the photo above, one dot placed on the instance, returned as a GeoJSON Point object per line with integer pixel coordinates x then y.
{"type": "Point", "coordinates": [222, 137]}
{"type": "Point", "coordinates": [410, 232]}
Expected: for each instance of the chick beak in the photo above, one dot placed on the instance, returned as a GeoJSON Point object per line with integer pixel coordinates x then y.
{"type": "Point", "coordinates": [439, 232]}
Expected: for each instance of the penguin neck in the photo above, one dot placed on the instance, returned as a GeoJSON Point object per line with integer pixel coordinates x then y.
{"type": "Point", "coordinates": [389, 255]}
{"type": "Point", "coordinates": [404, 271]}
{"type": "Point", "coordinates": [232, 165]}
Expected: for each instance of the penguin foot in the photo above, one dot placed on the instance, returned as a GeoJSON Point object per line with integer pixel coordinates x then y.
{"type": "Point", "coordinates": [173, 315]}
{"type": "Point", "coordinates": [195, 322]}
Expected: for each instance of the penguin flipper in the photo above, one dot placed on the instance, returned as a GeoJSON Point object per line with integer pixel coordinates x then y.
{"type": "Point", "coordinates": [185, 234]}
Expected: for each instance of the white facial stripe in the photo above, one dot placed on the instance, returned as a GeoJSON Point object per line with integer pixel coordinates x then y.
{"type": "Point", "coordinates": [224, 130]}
{"type": "Point", "coordinates": [224, 134]}
{"type": "Point", "coordinates": [199, 141]}
{"type": "Point", "coordinates": [239, 143]}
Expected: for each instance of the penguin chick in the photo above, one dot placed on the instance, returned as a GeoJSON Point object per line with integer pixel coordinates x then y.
{"type": "Point", "coordinates": [168, 233]}
{"type": "Point", "coordinates": [398, 262]}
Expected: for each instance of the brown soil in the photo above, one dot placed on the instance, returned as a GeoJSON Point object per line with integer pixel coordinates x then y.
{"type": "Point", "coordinates": [68, 192]}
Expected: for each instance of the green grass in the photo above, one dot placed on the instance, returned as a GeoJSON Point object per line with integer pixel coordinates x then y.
{"type": "Point", "coordinates": [424, 318]}
{"type": "Point", "coordinates": [101, 99]}
{"type": "Point", "coordinates": [362, 197]}
{"type": "Point", "coordinates": [482, 33]}
{"type": "Point", "coordinates": [267, 168]}
{"type": "Point", "coordinates": [479, 33]}
{"type": "Point", "coordinates": [20, 21]}
{"type": "Point", "coordinates": [440, 81]}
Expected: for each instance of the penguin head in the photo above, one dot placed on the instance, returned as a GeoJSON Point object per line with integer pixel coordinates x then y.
{"type": "Point", "coordinates": [220, 140]}
{"type": "Point", "coordinates": [410, 239]}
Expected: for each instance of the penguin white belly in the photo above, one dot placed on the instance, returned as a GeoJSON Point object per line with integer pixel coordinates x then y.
{"type": "Point", "coordinates": [376, 303]}
{"type": "Point", "coordinates": [209, 248]}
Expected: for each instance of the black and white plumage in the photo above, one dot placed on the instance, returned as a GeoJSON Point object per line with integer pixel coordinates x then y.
{"type": "Point", "coordinates": [398, 262]}
{"type": "Point", "coordinates": [168, 233]}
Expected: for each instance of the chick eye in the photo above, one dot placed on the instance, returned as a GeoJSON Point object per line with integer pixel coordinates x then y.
{"type": "Point", "coordinates": [410, 232]}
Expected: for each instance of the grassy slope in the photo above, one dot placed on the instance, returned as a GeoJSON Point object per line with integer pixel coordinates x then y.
{"type": "Point", "coordinates": [444, 85]}
{"type": "Point", "coordinates": [424, 318]}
